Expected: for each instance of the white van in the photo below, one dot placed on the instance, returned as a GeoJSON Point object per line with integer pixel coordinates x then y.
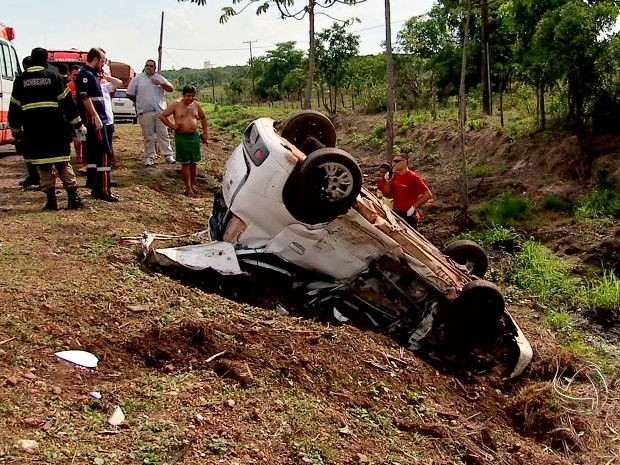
{"type": "Point", "coordinates": [10, 68]}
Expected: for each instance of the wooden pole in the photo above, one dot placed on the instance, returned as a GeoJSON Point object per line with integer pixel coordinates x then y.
{"type": "Point", "coordinates": [161, 39]}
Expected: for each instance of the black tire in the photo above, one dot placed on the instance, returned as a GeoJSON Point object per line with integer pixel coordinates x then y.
{"type": "Point", "coordinates": [475, 317]}
{"type": "Point", "coordinates": [309, 130]}
{"type": "Point", "coordinates": [470, 255]}
{"type": "Point", "coordinates": [328, 184]}
{"type": "Point", "coordinates": [135, 120]}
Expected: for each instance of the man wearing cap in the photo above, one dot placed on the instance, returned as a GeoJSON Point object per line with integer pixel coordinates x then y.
{"type": "Point", "coordinates": [407, 190]}
{"type": "Point", "coordinates": [41, 105]}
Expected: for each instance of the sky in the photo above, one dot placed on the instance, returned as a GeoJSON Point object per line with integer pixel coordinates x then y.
{"type": "Point", "coordinates": [129, 29]}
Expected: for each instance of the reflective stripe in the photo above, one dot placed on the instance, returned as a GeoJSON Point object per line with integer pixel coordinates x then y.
{"type": "Point", "coordinates": [63, 94]}
{"type": "Point", "coordinates": [43, 161]}
{"type": "Point", "coordinates": [15, 101]}
{"type": "Point", "coordinates": [76, 120]}
{"type": "Point", "coordinates": [104, 168]}
{"type": "Point", "coordinates": [32, 106]}
{"type": "Point", "coordinates": [97, 99]}
{"type": "Point", "coordinates": [91, 165]}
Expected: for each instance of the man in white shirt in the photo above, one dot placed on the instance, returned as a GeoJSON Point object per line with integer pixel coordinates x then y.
{"type": "Point", "coordinates": [147, 90]}
{"type": "Point", "coordinates": [108, 85]}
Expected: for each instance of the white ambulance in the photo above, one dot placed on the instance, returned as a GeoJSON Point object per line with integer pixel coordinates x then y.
{"type": "Point", "coordinates": [10, 67]}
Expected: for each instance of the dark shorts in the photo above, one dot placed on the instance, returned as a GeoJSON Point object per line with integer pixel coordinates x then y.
{"type": "Point", "coordinates": [187, 147]}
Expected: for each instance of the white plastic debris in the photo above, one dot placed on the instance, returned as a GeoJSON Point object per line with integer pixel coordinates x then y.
{"type": "Point", "coordinates": [79, 357]}
{"type": "Point", "coordinates": [339, 316]}
{"type": "Point", "coordinates": [95, 395]}
{"type": "Point", "coordinates": [280, 310]}
{"type": "Point", "coordinates": [117, 417]}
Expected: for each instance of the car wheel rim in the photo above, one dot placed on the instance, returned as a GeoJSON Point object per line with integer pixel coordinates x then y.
{"type": "Point", "coordinates": [338, 181]}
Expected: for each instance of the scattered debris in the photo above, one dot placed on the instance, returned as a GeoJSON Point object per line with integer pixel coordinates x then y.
{"type": "Point", "coordinates": [95, 395]}
{"type": "Point", "coordinates": [28, 446]}
{"type": "Point", "coordinates": [11, 380]}
{"type": "Point", "coordinates": [280, 310]}
{"type": "Point", "coordinates": [117, 417]}
{"type": "Point", "coordinates": [78, 357]}
{"type": "Point", "coordinates": [56, 390]}
{"type": "Point", "coordinates": [230, 403]}
{"type": "Point", "coordinates": [6, 340]}
{"type": "Point", "coordinates": [213, 357]}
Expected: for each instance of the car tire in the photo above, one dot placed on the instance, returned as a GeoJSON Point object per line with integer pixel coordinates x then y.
{"type": "Point", "coordinates": [327, 185]}
{"type": "Point", "coordinates": [309, 130]}
{"type": "Point", "coordinates": [134, 120]}
{"type": "Point", "coordinates": [470, 255]}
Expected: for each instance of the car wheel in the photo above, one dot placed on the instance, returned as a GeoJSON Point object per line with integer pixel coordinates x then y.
{"type": "Point", "coordinates": [309, 130]}
{"type": "Point", "coordinates": [474, 318]}
{"type": "Point", "coordinates": [328, 183]}
{"type": "Point", "coordinates": [470, 255]}
{"type": "Point", "coordinates": [135, 120]}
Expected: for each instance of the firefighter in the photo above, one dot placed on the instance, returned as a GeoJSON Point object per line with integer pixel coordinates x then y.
{"type": "Point", "coordinates": [41, 105]}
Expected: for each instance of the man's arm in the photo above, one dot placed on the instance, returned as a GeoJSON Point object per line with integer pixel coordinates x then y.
{"type": "Point", "coordinates": [164, 115]}
{"type": "Point", "coordinates": [203, 120]}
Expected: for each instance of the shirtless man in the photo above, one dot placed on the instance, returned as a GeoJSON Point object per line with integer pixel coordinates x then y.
{"type": "Point", "coordinates": [186, 112]}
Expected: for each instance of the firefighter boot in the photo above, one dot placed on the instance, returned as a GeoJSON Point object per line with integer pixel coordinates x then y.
{"type": "Point", "coordinates": [73, 199]}
{"type": "Point", "coordinates": [51, 204]}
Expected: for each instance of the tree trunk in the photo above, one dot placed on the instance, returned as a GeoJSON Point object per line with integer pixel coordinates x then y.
{"type": "Point", "coordinates": [389, 125]}
{"type": "Point", "coordinates": [311, 58]}
{"type": "Point", "coordinates": [486, 91]}
{"type": "Point", "coordinates": [462, 111]}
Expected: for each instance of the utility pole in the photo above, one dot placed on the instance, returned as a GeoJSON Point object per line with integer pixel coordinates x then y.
{"type": "Point", "coordinates": [251, 67]}
{"type": "Point", "coordinates": [161, 39]}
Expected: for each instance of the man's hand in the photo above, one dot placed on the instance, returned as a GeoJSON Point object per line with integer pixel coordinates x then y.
{"type": "Point", "coordinates": [98, 123]}
{"type": "Point", "coordinates": [388, 176]}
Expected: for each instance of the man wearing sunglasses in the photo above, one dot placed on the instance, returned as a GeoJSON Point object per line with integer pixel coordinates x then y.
{"type": "Point", "coordinates": [407, 190]}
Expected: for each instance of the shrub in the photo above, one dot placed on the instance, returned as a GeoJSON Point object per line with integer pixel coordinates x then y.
{"type": "Point", "coordinates": [480, 171]}
{"type": "Point", "coordinates": [379, 131]}
{"type": "Point", "coordinates": [554, 203]}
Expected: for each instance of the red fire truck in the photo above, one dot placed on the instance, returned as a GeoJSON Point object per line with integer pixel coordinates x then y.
{"type": "Point", "coordinates": [70, 57]}
{"type": "Point", "coordinates": [10, 67]}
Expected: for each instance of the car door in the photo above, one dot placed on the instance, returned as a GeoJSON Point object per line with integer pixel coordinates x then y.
{"type": "Point", "coordinates": [9, 69]}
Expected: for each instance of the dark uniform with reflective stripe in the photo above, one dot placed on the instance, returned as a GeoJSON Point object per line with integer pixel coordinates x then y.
{"type": "Point", "coordinates": [41, 106]}
{"type": "Point", "coordinates": [98, 159]}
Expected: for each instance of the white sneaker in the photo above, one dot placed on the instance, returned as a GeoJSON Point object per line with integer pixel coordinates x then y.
{"type": "Point", "coordinates": [148, 162]}
{"type": "Point", "coordinates": [170, 159]}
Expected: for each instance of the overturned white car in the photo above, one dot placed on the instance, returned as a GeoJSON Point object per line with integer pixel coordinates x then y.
{"type": "Point", "coordinates": [293, 204]}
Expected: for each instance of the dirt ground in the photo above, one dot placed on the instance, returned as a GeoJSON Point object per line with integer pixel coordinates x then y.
{"type": "Point", "coordinates": [205, 369]}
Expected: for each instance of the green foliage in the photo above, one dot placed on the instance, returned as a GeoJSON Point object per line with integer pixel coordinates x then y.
{"type": "Point", "coordinates": [599, 204]}
{"type": "Point", "coordinates": [504, 209]}
{"type": "Point", "coordinates": [480, 171]}
{"type": "Point", "coordinates": [557, 321]}
{"type": "Point", "coordinates": [476, 124]}
{"type": "Point", "coordinates": [554, 203]}
{"type": "Point", "coordinates": [603, 295]}
{"type": "Point", "coordinates": [500, 238]}
{"type": "Point", "coordinates": [379, 130]}
{"type": "Point", "coordinates": [545, 276]}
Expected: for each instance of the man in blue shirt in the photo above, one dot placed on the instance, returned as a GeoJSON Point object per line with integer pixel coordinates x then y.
{"type": "Point", "coordinates": [92, 111]}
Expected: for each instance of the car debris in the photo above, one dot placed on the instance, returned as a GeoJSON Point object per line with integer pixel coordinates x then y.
{"type": "Point", "coordinates": [78, 357]}
{"type": "Point", "coordinates": [293, 204]}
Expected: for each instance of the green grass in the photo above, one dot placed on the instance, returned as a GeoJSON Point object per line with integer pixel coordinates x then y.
{"type": "Point", "coordinates": [603, 294]}
{"type": "Point", "coordinates": [504, 209]}
{"type": "Point", "coordinates": [601, 204]}
{"type": "Point", "coordinates": [480, 171]}
{"type": "Point", "coordinates": [554, 203]}
{"type": "Point", "coordinates": [545, 276]}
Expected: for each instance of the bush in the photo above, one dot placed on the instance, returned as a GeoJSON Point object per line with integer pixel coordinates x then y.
{"type": "Point", "coordinates": [554, 203]}
{"type": "Point", "coordinates": [480, 171]}
{"type": "Point", "coordinates": [599, 204]}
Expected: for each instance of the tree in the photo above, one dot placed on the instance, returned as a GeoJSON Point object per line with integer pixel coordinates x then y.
{"type": "Point", "coordinates": [277, 65]}
{"type": "Point", "coordinates": [286, 9]}
{"type": "Point", "coordinates": [334, 48]}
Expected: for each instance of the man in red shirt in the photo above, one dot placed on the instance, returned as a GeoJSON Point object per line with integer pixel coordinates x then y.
{"type": "Point", "coordinates": [407, 190]}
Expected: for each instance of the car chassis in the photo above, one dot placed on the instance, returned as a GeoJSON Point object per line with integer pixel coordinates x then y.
{"type": "Point", "coordinates": [293, 204]}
